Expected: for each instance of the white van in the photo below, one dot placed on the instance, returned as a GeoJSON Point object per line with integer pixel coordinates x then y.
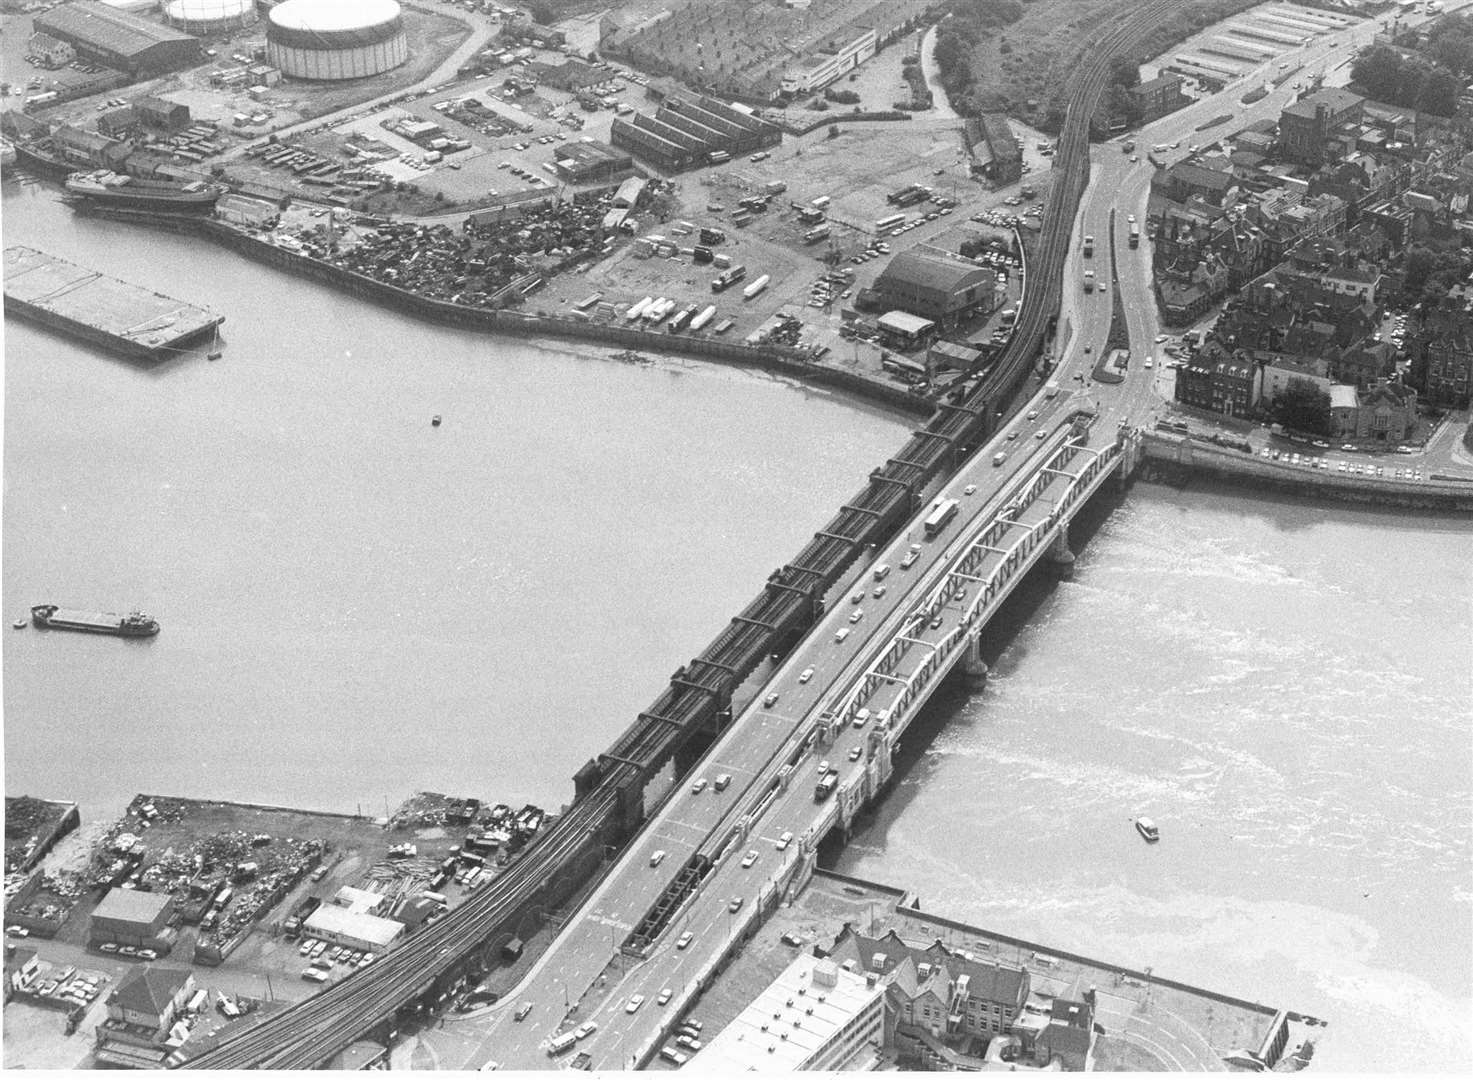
{"type": "Point", "coordinates": [657, 858]}
{"type": "Point", "coordinates": [561, 1043]}
{"type": "Point", "coordinates": [861, 718]}
{"type": "Point", "coordinates": [841, 634]}
{"type": "Point", "coordinates": [882, 571]}
{"type": "Point", "coordinates": [998, 458]}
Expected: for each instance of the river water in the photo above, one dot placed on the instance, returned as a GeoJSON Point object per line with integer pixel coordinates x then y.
{"type": "Point", "coordinates": [357, 605]}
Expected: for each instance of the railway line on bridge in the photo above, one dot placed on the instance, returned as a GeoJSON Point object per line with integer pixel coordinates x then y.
{"type": "Point", "coordinates": [609, 790]}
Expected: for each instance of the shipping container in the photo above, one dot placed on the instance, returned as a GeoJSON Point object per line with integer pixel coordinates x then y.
{"type": "Point", "coordinates": [705, 316]}
{"type": "Point", "coordinates": [755, 289]}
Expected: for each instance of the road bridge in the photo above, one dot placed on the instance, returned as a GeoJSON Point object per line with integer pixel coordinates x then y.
{"type": "Point", "coordinates": [611, 790]}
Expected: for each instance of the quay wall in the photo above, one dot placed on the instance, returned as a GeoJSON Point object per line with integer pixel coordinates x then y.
{"type": "Point", "coordinates": [1177, 458]}
{"type": "Point", "coordinates": [776, 359]}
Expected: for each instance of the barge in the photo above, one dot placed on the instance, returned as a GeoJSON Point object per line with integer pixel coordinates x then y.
{"type": "Point", "coordinates": [164, 196]}
{"type": "Point", "coordinates": [103, 311]}
{"type": "Point", "coordinates": [133, 624]}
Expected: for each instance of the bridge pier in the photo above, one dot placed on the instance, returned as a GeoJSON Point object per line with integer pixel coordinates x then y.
{"type": "Point", "coordinates": [972, 664]}
{"type": "Point", "coordinates": [1060, 558]}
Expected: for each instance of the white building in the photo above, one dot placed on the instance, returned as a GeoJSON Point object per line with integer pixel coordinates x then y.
{"type": "Point", "coordinates": [826, 63]}
{"type": "Point", "coordinates": [815, 1016]}
{"type": "Point", "coordinates": [332, 40]}
{"type": "Point", "coordinates": [355, 929]}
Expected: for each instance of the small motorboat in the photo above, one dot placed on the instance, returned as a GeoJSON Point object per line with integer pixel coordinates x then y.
{"type": "Point", "coordinates": [21, 624]}
{"type": "Point", "coordinates": [1147, 828]}
{"type": "Point", "coordinates": [214, 356]}
{"type": "Point", "coordinates": [435, 420]}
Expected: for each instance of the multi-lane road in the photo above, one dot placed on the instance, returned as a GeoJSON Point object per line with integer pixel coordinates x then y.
{"type": "Point", "coordinates": [583, 978]}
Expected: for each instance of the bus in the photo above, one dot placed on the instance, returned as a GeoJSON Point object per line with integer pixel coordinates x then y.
{"type": "Point", "coordinates": [885, 224]}
{"type": "Point", "coordinates": [938, 518]}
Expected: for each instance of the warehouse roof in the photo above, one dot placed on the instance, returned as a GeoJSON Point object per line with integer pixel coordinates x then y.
{"type": "Point", "coordinates": [904, 323]}
{"type": "Point", "coordinates": [106, 28]}
{"type": "Point", "coordinates": [931, 271]}
{"type": "Point", "coordinates": [359, 926]}
{"type": "Point", "coordinates": [132, 905]}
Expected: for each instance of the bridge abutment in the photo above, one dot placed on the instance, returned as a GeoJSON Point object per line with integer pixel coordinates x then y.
{"type": "Point", "coordinates": [973, 666]}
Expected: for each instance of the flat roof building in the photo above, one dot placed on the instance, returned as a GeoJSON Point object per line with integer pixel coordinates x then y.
{"type": "Point", "coordinates": [129, 916]}
{"type": "Point", "coordinates": [815, 1016]}
{"type": "Point", "coordinates": [355, 929]}
{"type": "Point", "coordinates": [117, 39]}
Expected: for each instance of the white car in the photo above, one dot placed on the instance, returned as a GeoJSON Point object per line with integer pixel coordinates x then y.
{"type": "Point", "coordinates": [698, 787]}
{"type": "Point", "coordinates": [665, 995]}
{"type": "Point", "coordinates": [634, 1003]}
{"type": "Point", "coordinates": [747, 862]}
{"type": "Point", "coordinates": [784, 840]}
{"type": "Point", "coordinates": [806, 675]}
{"type": "Point", "coordinates": [684, 940]}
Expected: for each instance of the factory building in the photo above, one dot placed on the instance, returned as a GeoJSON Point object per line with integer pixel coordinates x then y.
{"type": "Point", "coordinates": [587, 162]}
{"type": "Point", "coordinates": [936, 285]}
{"type": "Point", "coordinates": [354, 929]}
{"type": "Point", "coordinates": [688, 130]}
{"type": "Point", "coordinates": [130, 917]}
{"type": "Point", "coordinates": [117, 39]}
{"type": "Point", "coordinates": [333, 40]}
{"type": "Point", "coordinates": [206, 17]}
{"type": "Point", "coordinates": [835, 57]}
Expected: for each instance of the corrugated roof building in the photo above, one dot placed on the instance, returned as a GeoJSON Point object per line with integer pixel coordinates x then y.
{"type": "Point", "coordinates": [935, 285]}
{"type": "Point", "coordinates": [355, 929]}
{"type": "Point", "coordinates": [117, 39]}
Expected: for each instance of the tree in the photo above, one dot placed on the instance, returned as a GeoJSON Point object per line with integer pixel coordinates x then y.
{"type": "Point", "coordinates": [542, 12]}
{"type": "Point", "coordinates": [1378, 70]}
{"type": "Point", "coordinates": [1304, 406]}
{"type": "Point", "coordinates": [1124, 72]}
{"type": "Point", "coordinates": [1439, 93]}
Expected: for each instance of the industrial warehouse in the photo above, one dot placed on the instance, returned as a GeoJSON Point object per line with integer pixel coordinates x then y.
{"type": "Point", "coordinates": [117, 39]}
{"type": "Point", "coordinates": [332, 40]}
{"type": "Point", "coordinates": [689, 131]}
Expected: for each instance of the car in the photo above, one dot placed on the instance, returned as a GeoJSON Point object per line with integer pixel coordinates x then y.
{"type": "Point", "coordinates": [1134, 158]}
{"type": "Point", "coordinates": [1149, 364]}
{"type": "Point", "coordinates": [841, 633]}
{"type": "Point", "coordinates": [634, 1003]}
{"type": "Point", "coordinates": [691, 1027]}
{"type": "Point", "coordinates": [147, 954]}
{"type": "Point", "coordinates": [689, 1042]}
{"type": "Point", "coordinates": [1130, 219]}
{"type": "Point", "coordinates": [735, 905]}
{"type": "Point", "coordinates": [770, 700]}
{"type": "Point", "coordinates": [306, 946]}
{"type": "Point", "coordinates": [1160, 338]}
{"type": "Point", "coordinates": [749, 859]}
{"type": "Point", "coordinates": [522, 1010]}
{"type": "Point", "coordinates": [108, 946]}
{"type": "Point", "coordinates": [1191, 150]}
{"type": "Point", "coordinates": [684, 940]}
{"type": "Point", "coordinates": [312, 974]}
{"type": "Point", "coordinates": [674, 1056]}
{"type": "Point", "coordinates": [699, 786]}
{"type": "Point", "coordinates": [367, 959]}
{"type": "Point", "coordinates": [1348, 446]}
{"type": "Point", "coordinates": [784, 840]}
{"type": "Point", "coordinates": [1039, 434]}
{"type": "Point", "coordinates": [1012, 435]}
{"type": "Point", "coordinates": [127, 950]}
{"type": "Point", "coordinates": [936, 623]}
{"type": "Point", "coordinates": [585, 1030]}
{"type": "Point", "coordinates": [823, 768]}
{"type": "Point", "coordinates": [857, 598]}
{"type": "Point", "coordinates": [856, 753]}
{"type": "Point", "coordinates": [858, 614]}
{"type": "Point", "coordinates": [879, 592]}
{"type": "Point", "coordinates": [805, 675]}
{"type": "Point", "coordinates": [909, 560]}
{"type": "Point", "coordinates": [657, 857]}
{"type": "Point", "coordinates": [971, 489]}
{"type": "Point", "coordinates": [1032, 414]}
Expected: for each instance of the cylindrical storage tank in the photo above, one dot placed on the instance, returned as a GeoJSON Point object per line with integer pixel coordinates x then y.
{"type": "Point", "coordinates": [331, 40]}
{"type": "Point", "coordinates": [202, 17]}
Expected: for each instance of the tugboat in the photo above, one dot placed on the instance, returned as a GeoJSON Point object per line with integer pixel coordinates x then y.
{"type": "Point", "coordinates": [1147, 828]}
{"type": "Point", "coordinates": [133, 624]}
{"type": "Point", "coordinates": [435, 420]}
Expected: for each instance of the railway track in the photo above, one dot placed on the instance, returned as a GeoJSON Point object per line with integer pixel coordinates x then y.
{"type": "Point", "coordinates": [312, 1031]}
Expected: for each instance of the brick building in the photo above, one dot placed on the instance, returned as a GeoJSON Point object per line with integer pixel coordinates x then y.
{"type": "Point", "coordinates": [1159, 96]}
{"type": "Point", "coordinates": [1441, 349]}
{"type": "Point", "coordinates": [1306, 126]}
{"type": "Point", "coordinates": [1219, 380]}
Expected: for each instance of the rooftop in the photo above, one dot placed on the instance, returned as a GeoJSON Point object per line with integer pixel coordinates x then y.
{"type": "Point", "coordinates": [904, 322]}
{"type": "Point", "coordinates": [149, 989]}
{"type": "Point", "coordinates": [791, 1020]}
{"type": "Point", "coordinates": [108, 28]}
{"type": "Point", "coordinates": [360, 926]}
{"type": "Point", "coordinates": [132, 905]}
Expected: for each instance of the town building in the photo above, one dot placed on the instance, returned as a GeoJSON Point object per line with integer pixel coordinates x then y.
{"type": "Point", "coordinates": [815, 1016]}
{"type": "Point", "coordinates": [1159, 96]}
{"type": "Point", "coordinates": [1219, 380]}
{"type": "Point", "coordinates": [116, 39]}
{"type": "Point", "coordinates": [1183, 180]}
{"type": "Point", "coordinates": [832, 58]}
{"type": "Point", "coordinates": [355, 929]}
{"type": "Point", "coordinates": [942, 1005]}
{"type": "Point", "coordinates": [1004, 155]}
{"type": "Point", "coordinates": [936, 285]}
{"type": "Point", "coordinates": [166, 116]}
{"type": "Point", "coordinates": [131, 917]}
{"type": "Point", "coordinates": [904, 331]}
{"type": "Point", "coordinates": [1278, 373]}
{"type": "Point", "coordinates": [50, 52]}
{"type": "Point", "coordinates": [590, 162]}
{"type": "Point", "coordinates": [117, 123]}
{"type": "Point", "coordinates": [1306, 126]}
{"type": "Point", "coordinates": [1383, 412]}
{"type": "Point", "coordinates": [1061, 1036]}
{"type": "Point", "coordinates": [141, 1012]}
{"type": "Point", "coordinates": [1440, 346]}
{"type": "Point", "coordinates": [945, 355]}
{"type": "Point", "coordinates": [571, 76]}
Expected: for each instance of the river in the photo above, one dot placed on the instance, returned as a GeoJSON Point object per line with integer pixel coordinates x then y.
{"type": "Point", "coordinates": [357, 605]}
{"type": "Point", "coordinates": [1284, 690]}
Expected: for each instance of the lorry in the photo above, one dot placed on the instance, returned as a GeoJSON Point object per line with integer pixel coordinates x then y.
{"type": "Point", "coordinates": [825, 787]}
{"type": "Point", "coordinates": [1089, 281]}
{"type": "Point", "coordinates": [755, 289]}
{"type": "Point", "coordinates": [728, 278]}
{"type": "Point", "coordinates": [1089, 247]}
{"type": "Point", "coordinates": [1051, 391]}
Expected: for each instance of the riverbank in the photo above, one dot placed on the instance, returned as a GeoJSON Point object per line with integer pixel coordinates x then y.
{"type": "Point", "coordinates": [1178, 459]}
{"type": "Point", "coordinates": [780, 360]}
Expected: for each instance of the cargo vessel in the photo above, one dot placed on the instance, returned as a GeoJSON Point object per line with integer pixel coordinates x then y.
{"type": "Point", "coordinates": [98, 309]}
{"type": "Point", "coordinates": [170, 196]}
{"type": "Point", "coordinates": [133, 624]}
